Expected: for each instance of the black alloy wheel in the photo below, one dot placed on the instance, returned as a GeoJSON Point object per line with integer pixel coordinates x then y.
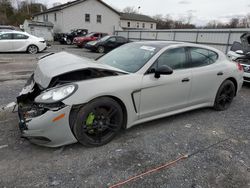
{"type": "Point", "coordinates": [224, 96]}
{"type": "Point", "coordinates": [98, 122]}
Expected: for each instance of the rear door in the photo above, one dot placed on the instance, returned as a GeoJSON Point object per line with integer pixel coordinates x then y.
{"type": "Point", "coordinates": [20, 42]}
{"type": "Point", "coordinates": [207, 75]}
{"type": "Point", "coordinates": [111, 43]}
{"type": "Point", "coordinates": [6, 43]}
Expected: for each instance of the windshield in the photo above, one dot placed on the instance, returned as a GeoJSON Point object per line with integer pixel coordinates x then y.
{"type": "Point", "coordinates": [104, 38]}
{"type": "Point", "coordinates": [130, 57]}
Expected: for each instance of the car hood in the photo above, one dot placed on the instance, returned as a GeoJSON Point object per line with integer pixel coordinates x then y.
{"type": "Point", "coordinates": [61, 63]}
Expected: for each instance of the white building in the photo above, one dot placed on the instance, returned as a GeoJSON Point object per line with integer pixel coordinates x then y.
{"type": "Point", "coordinates": [39, 29]}
{"type": "Point", "coordinates": [94, 15]}
{"type": "Point", "coordinates": [136, 21]}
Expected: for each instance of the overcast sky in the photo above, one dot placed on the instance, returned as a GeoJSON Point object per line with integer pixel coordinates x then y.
{"type": "Point", "coordinates": [202, 10]}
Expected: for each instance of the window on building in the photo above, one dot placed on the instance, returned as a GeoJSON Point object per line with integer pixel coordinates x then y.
{"type": "Point", "coordinates": [143, 25]}
{"type": "Point", "coordinates": [55, 18]}
{"type": "Point", "coordinates": [138, 25]}
{"type": "Point", "coordinates": [152, 26]}
{"type": "Point", "coordinates": [99, 18]}
{"type": "Point", "coordinates": [44, 17]}
{"type": "Point", "coordinates": [87, 17]}
{"type": "Point", "coordinates": [128, 24]}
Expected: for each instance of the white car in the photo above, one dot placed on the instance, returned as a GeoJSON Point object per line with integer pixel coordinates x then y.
{"type": "Point", "coordinates": [72, 99]}
{"type": "Point", "coordinates": [17, 41]}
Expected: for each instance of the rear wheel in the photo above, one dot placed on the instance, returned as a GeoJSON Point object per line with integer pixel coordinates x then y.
{"type": "Point", "coordinates": [101, 49]}
{"type": "Point", "coordinates": [224, 96]}
{"type": "Point", "coordinates": [68, 42]}
{"type": "Point", "coordinates": [98, 122]}
{"type": "Point", "coordinates": [32, 49]}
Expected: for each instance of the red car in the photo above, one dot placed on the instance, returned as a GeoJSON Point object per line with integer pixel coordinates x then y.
{"type": "Point", "coordinates": [81, 41]}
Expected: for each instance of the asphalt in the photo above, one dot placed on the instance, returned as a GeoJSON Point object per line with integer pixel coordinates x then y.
{"type": "Point", "coordinates": [218, 145]}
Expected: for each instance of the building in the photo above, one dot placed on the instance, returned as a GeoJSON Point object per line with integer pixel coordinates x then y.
{"type": "Point", "coordinates": [39, 29]}
{"type": "Point", "coordinates": [136, 21]}
{"type": "Point", "coordinates": [94, 15]}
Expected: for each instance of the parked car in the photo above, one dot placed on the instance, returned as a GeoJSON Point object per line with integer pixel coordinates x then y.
{"type": "Point", "coordinates": [17, 41]}
{"type": "Point", "coordinates": [69, 37]}
{"type": "Point", "coordinates": [106, 43]}
{"type": "Point", "coordinates": [81, 41]}
{"type": "Point", "coordinates": [72, 99]}
{"type": "Point", "coordinates": [240, 52]}
{"type": "Point", "coordinates": [6, 28]}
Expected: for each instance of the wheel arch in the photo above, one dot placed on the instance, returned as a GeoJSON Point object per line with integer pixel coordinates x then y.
{"type": "Point", "coordinates": [76, 108]}
{"type": "Point", "coordinates": [235, 84]}
{"type": "Point", "coordinates": [32, 45]}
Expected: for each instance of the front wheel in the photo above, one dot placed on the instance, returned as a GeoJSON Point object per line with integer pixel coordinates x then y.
{"type": "Point", "coordinates": [224, 96]}
{"type": "Point", "coordinates": [32, 49]}
{"type": "Point", "coordinates": [68, 42]}
{"type": "Point", "coordinates": [101, 49]}
{"type": "Point", "coordinates": [98, 122]}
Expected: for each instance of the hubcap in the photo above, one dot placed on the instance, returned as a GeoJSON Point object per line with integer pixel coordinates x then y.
{"type": "Point", "coordinates": [100, 122]}
{"type": "Point", "coordinates": [32, 49]}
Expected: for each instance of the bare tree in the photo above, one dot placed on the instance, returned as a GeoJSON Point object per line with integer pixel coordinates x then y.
{"type": "Point", "coordinates": [130, 10]}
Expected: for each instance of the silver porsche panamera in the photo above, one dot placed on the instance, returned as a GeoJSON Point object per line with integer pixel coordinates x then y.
{"type": "Point", "coordinates": [72, 99]}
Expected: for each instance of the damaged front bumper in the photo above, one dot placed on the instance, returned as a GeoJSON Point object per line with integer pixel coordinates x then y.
{"type": "Point", "coordinates": [43, 124]}
{"type": "Point", "coordinates": [50, 129]}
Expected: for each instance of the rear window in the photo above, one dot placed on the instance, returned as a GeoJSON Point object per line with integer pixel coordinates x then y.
{"type": "Point", "coordinates": [202, 57]}
{"type": "Point", "coordinates": [20, 36]}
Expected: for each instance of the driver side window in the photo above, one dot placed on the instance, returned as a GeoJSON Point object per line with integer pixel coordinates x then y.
{"type": "Point", "coordinates": [174, 58]}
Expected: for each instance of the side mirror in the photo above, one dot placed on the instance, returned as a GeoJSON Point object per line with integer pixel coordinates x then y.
{"type": "Point", "coordinates": [240, 52]}
{"type": "Point", "coordinates": [163, 70]}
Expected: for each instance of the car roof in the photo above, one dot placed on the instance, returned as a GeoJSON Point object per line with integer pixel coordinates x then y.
{"type": "Point", "coordinates": [159, 44]}
{"type": "Point", "coordinates": [13, 31]}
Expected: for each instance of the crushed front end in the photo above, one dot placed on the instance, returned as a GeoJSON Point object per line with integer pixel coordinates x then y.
{"type": "Point", "coordinates": [43, 124]}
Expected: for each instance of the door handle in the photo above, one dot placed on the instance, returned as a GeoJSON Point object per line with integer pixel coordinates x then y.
{"type": "Point", "coordinates": [220, 73]}
{"type": "Point", "coordinates": [185, 80]}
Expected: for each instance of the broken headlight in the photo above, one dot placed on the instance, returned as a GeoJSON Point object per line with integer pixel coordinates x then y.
{"type": "Point", "coordinates": [56, 94]}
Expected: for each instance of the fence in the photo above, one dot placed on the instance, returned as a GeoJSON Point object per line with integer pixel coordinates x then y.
{"type": "Point", "coordinates": [221, 39]}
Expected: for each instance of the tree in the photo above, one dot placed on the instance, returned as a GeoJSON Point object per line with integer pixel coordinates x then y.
{"type": "Point", "coordinates": [130, 10]}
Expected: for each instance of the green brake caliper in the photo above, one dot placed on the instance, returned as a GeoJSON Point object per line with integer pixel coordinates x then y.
{"type": "Point", "coordinates": [90, 121]}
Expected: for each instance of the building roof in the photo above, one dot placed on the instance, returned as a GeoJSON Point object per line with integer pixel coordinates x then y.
{"type": "Point", "coordinates": [42, 24]}
{"type": "Point", "coordinates": [72, 3]}
{"type": "Point", "coordinates": [136, 17]}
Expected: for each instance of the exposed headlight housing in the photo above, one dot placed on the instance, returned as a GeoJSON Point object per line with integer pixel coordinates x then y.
{"type": "Point", "coordinates": [56, 94]}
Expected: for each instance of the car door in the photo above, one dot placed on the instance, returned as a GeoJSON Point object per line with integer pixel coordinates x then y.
{"type": "Point", "coordinates": [20, 42]}
{"type": "Point", "coordinates": [6, 44]}
{"type": "Point", "coordinates": [121, 41]}
{"type": "Point", "coordinates": [169, 92]}
{"type": "Point", "coordinates": [111, 43]}
{"type": "Point", "coordinates": [207, 75]}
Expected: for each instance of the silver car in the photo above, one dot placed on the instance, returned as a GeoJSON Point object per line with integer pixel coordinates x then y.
{"type": "Point", "coordinates": [17, 41]}
{"type": "Point", "coordinates": [72, 99]}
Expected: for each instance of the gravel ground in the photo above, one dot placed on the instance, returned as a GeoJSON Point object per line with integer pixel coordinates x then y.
{"type": "Point", "coordinates": [218, 142]}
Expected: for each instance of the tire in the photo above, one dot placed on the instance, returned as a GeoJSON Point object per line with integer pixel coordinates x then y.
{"type": "Point", "coordinates": [224, 96]}
{"type": "Point", "coordinates": [32, 49]}
{"type": "Point", "coordinates": [100, 49]}
{"type": "Point", "coordinates": [68, 42]}
{"type": "Point", "coordinates": [98, 122]}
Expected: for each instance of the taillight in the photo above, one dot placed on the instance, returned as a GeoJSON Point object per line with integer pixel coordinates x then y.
{"type": "Point", "coordinates": [240, 67]}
